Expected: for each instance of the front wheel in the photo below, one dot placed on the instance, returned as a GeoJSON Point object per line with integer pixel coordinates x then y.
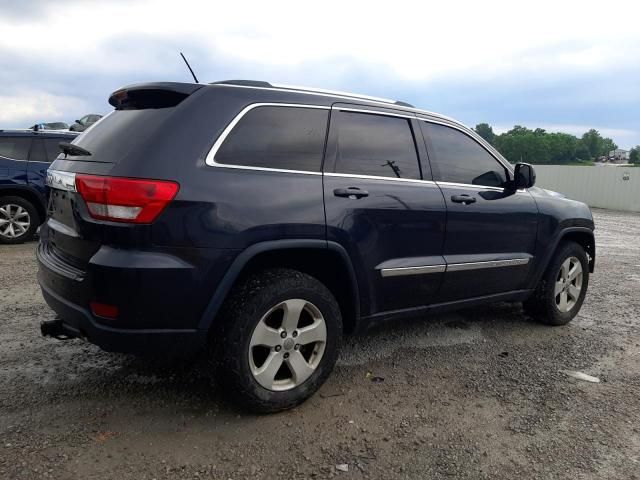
{"type": "Point", "coordinates": [281, 333]}
{"type": "Point", "coordinates": [561, 291]}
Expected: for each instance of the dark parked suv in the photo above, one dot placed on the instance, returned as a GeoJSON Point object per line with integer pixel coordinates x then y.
{"type": "Point", "coordinates": [25, 156]}
{"type": "Point", "coordinates": [266, 221]}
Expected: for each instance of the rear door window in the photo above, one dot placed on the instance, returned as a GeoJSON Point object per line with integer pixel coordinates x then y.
{"type": "Point", "coordinates": [38, 152]}
{"type": "Point", "coordinates": [15, 147]}
{"type": "Point", "coordinates": [457, 158]}
{"type": "Point", "coordinates": [376, 145]}
{"type": "Point", "coordinates": [45, 149]}
{"type": "Point", "coordinates": [290, 138]}
{"type": "Point", "coordinates": [52, 147]}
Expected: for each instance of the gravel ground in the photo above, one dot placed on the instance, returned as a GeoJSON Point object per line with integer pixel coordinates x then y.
{"type": "Point", "coordinates": [479, 393]}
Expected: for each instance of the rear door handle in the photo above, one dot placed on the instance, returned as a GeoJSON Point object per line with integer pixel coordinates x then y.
{"type": "Point", "coordinates": [464, 199]}
{"type": "Point", "coordinates": [351, 192]}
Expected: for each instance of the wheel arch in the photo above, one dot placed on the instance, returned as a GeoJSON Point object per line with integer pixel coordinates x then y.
{"type": "Point", "coordinates": [581, 235]}
{"type": "Point", "coordinates": [326, 261]}
{"type": "Point", "coordinates": [28, 194]}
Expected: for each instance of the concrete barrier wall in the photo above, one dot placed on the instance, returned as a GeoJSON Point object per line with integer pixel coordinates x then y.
{"type": "Point", "coordinates": [616, 188]}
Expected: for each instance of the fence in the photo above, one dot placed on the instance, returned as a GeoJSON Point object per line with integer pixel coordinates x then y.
{"type": "Point", "coordinates": [616, 188]}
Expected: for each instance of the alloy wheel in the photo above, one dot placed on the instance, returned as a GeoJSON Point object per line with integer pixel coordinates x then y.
{"type": "Point", "coordinates": [568, 284]}
{"type": "Point", "coordinates": [14, 220]}
{"type": "Point", "coordinates": [287, 345]}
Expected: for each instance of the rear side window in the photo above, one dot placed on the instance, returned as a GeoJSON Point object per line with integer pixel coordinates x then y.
{"type": "Point", "coordinates": [376, 145]}
{"type": "Point", "coordinates": [52, 147]}
{"type": "Point", "coordinates": [45, 149]}
{"type": "Point", "coordinates": [15, 147]}
{"type": "Point", "coordinates": [38, 152]}
{"type": "Point", "coordinates": [458, 158]}
{"type": "Point", "coordinates": [290, 138]}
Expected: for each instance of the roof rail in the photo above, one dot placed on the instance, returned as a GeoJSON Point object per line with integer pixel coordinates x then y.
{"type": "Point", "coordinates": [258, 83]}
{"type": "Point", "coordinates": [343, 94]}
{"type": "Point", "coordinates": [244, 83]}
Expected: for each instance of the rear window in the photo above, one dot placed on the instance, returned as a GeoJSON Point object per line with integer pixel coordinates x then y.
{"type": "Point", "coordinates": [290, 138]}
{"type": "Point", "coordinates": [118, 134]}
{"type": "Point", "coordinates": [15, 147]}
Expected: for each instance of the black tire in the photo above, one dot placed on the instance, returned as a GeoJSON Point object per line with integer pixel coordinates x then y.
{"type": "Point", "coordinates": [248, 302]}
{"type": "Point", "coordinates": [33, 218]}
{"type": "Point", "coordinates": [542, 305]}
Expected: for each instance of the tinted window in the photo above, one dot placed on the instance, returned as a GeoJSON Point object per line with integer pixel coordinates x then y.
{"type": "Point", "coordinates": [291, 138]}
{"type": "Point", "coordinates": [376, 145]}
{"type": "Point", "coordinates": [456, 157]}
{"type": "Point", "coordinates": [51, 145]}
{"type": "Point", "coordinates": [15, 147]}
{"type": "Point", "coordinates": [38, 153]}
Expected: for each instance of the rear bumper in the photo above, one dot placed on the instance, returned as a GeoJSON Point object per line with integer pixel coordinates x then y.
{"type": "Point", "coordinates": [76, 321]}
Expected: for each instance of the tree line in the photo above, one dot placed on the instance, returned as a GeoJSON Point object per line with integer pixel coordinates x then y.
{"type": "Point", "coordinates": [521, 144]}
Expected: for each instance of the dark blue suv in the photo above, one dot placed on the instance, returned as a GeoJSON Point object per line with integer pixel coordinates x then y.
{"type": "Point", "coordinates": [25, 156]}
{"type": "Point", "coordinates": [265, 221]}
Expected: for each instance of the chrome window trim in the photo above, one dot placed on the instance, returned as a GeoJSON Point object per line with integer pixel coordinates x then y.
{"type": "Point", "coordinates": [479, 187]}
{"type": "Point", "coordinates": [211, 156]}
{"type": "Point", "coordinates": [61, 180]}
{"type": "Point", "coordinates": [470, 185]}
{"type": "Point", "coordinates": [513, 262]}
{"type": "Point", "coordinates": [461, 130]}
{"type": "Point", "coordinates": [375, 177]}
{"type": "Point", "coordinates": [417, 270]}
{"type": "Point", "coordinates": [346, 97]}
{"type": "Point", "coordinates": [375, 112]}
{"type": "Point", "coordinates": [451, 267]}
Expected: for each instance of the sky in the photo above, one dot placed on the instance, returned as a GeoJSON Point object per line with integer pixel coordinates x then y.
{"type": "Point", "coordinates": [561, 65]}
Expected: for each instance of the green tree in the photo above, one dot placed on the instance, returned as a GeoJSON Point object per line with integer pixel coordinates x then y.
{"type": "Point", "coordinates": [596, 144]}
{"type": "Point", "coordinates": [634, 155]}
{"type": "Point", "coordinates": [486, 132]}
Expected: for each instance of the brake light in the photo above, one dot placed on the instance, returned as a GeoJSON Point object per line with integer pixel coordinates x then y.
{"type": "Point", "coordinates": [129, 200]}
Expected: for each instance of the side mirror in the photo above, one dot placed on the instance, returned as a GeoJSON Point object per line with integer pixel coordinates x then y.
{"type": "Point", "coordinates": [78, 122]}
{"type": "Point", "coordinates": [524, 175]}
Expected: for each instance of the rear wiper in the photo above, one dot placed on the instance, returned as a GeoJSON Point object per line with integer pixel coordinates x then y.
{"type": "Point", "coordinates": [73, 150]}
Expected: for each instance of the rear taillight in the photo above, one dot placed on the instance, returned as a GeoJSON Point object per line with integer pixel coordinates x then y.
{"type": "Point", "coordinates": [128, 200]}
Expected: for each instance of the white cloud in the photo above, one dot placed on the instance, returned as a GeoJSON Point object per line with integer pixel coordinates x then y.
{"type": "Point", "coordinates": [25, 105]}
{"type": "Point", "coordinates": [421, 40]}
{"type": "Point", "coordinates": [492, 44]}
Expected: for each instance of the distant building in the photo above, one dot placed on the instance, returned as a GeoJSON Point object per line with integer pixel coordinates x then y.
{"type": "Point", "coordinates": [619, 156]}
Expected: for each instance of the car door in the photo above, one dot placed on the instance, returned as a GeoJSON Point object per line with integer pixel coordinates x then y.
{"type": "Point", "coordinates": [14, 152]}
{"type": "Point", "coordinates": [382, 209]}
{"type": "Point", "coordinates": [491, 229]}
{"type": "Point", "coordinates": [39, 161]}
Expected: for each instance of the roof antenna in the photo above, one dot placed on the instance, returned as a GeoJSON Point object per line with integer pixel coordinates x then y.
{"type": "Point", "coordinates": [189, 67]}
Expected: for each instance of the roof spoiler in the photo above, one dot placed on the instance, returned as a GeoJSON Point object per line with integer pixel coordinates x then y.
{"type": "Point", "coordinates": [151, 95]}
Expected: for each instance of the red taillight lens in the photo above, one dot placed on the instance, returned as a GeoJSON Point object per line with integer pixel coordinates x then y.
{"type": "Point", "coordinates": [104, 310]}
{"type": "Point", "coordinates": [128, 200]}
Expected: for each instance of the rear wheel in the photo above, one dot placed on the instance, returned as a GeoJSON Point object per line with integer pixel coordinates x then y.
{"type": "Point", "coordinates": [280, 339]}
{"type": "Point", "coordinates": [561, 291]}
{"type": "Point", "coordinates": [18, 220]}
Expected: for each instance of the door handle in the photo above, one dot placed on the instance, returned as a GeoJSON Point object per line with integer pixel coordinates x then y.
{"type": "Point", "coordinates": [464, 199]}
{"type": "Point", "coordinates": [351, 192]}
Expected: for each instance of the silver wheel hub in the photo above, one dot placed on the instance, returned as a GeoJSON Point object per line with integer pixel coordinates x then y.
{"type": "Point", "coordinates": [287, 345]}
{"type": "Point", "coordinates": [14, 220]}
{"type": "Point", "coordinates": [568, 284]}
